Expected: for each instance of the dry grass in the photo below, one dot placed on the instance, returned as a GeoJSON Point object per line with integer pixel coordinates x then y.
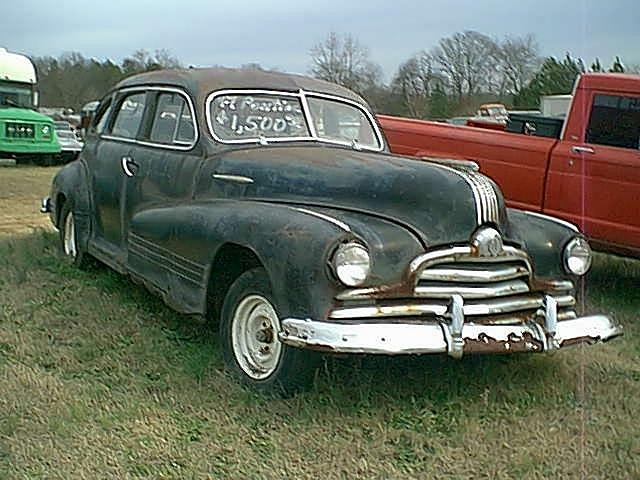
{"type": "Point", "coordinates": [98, 379]}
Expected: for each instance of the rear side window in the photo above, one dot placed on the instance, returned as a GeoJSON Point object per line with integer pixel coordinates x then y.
{"type": "Point", "coordinates": [129, 116]}
{"type": "Point", "coordinates": [172, 123]}
{"type": "Point", "coordinates": [615, 121]}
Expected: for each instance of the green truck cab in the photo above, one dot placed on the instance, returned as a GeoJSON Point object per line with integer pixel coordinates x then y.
{"type": "Point", "coordinates": [25, 134]}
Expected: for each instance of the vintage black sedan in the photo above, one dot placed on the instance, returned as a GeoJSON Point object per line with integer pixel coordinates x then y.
{"type": "Point", "coordinates": [269, 203]}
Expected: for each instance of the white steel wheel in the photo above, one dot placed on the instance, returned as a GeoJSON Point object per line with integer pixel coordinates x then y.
{"type": "Point", "coordinates": [254, 337]}
{"type": "Point", "coordinates": [69, 240]}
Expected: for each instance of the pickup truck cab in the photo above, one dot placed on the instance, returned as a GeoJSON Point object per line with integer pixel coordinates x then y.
{"type": "Point", "coordinates": [589, 176]}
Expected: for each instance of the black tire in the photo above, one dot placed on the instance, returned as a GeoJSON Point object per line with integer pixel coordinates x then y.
{"type": "Point", "coordinates": [295, 368]}
{"type": "Point", "coordinates": [80, 258]}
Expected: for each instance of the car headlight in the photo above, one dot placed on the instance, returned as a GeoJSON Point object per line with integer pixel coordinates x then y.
{"type": "Point", "coordinates": [46, 131]}
{"type": "Point", "coordinates": [352, 264]}
{"type": "Point", "coordinates": [577, 256]}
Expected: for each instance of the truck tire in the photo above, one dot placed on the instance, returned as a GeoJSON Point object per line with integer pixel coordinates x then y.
{"type": "Point", "coordinates": [70, 249]}
{"type": "Point", "coordinates": [249, 326]}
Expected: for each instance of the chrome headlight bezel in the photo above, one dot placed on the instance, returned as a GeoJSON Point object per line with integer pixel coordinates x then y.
{"type": "Point", "coordinates": [351, 263]}
{"type": "Point", "coordinates": [577, 256]}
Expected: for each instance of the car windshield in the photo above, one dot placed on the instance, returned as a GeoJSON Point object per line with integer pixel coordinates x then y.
{"type": "Point", "coordinates": [256, 116]}
{"type": "Point", "coordinates": [15, 95]}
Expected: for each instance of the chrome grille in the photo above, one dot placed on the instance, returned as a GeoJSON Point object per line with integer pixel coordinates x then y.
{"type": "Point", "coordinates": [474, 280]}
{"type": "Point", "coordinates": [496, 288]}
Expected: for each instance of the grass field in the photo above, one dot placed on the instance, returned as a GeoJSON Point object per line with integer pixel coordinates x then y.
{"type": "Point", "coordinates": [98, 379]}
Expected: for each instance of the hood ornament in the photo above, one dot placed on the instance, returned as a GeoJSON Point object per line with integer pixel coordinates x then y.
{"type": "Point", "coordinates": [487, 242]}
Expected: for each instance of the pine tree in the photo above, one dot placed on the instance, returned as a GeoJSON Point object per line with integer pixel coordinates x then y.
{"type": "Point", "coordinates": [617, 66]}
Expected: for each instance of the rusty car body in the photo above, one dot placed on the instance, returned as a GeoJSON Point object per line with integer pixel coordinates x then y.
{"type": "Point", "coordinates": [270, 203]}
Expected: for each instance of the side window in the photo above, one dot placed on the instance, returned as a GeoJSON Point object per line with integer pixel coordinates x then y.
{"type": "Point", "coordinates": [129, 116]}
{"type": "Point", "coordinates": [100, 120]}
{"type": "Point", "coordinates": [615, 121]}
{"type": "Point", "coordinates": [172, 122]}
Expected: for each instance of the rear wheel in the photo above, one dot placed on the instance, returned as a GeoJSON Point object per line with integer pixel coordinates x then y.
{"type": "Point", "coordinates": [249, 336]}
{"type": "Point", "coordinates": [69, 245]}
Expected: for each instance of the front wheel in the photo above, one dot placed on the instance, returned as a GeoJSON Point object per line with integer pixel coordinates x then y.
{"type": "Point", "coordinates": [69, 245]}
{"type": "Point", "coordinates": [249, 336]}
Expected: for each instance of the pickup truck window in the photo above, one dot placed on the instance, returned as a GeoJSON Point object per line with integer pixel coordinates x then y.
{"type": "Point", "coordinates": [615, 121]}
{"type": "Point", "coordinates": [172, 122]}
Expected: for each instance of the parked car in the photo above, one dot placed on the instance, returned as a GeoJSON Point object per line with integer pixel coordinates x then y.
{"type": "Point", "coordinates": [70, 145]}
{"type": "Point", "coordinates": [588, 174]}
{"type": "Point", "coordinates": [253, 199]}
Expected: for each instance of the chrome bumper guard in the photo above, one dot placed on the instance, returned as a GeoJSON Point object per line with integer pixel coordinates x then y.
{"type": "Point", "coordinates": [450, 335]}
{"type": "Point", "coordinates": [45, 205]}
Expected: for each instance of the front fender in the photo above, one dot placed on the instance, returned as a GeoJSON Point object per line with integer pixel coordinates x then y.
{"type": "Point", "coordinates": [544, 238]}
{"type": "Point", "coordinates": [293, 246]}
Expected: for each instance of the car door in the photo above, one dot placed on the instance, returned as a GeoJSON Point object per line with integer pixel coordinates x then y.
{"type": "Point", "coordinates": [594, 181]}
{"type": "Point", "coordinates": [112, 165]}
{"type": "Point", "coordinates": [166, 163]}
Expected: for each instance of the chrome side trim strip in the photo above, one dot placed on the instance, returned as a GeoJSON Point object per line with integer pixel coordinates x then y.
{"type": "Point", "coordinates": [196, 267]}
{"type": "Point", "coordinates": [559, 221]}
{"type": "Point", "coordinates": [233, 178]}
{"type": "Point", "coordinates": [327, 218]}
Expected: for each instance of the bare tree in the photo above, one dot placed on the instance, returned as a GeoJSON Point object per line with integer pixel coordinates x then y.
{"type": "Point", "coordinates": [517, 60]}
{"type": "Point", "coordinates": [142, 61]}
{"type": "Point", "coordinates": [634, 68]}
{"type": "Point", "coordinates": [343, 60]}
{"type": "Point", "coordinates": [414, 82]}
{"type": "Point", "coordinates": [467, 60]}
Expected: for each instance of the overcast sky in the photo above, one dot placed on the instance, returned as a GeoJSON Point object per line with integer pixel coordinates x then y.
{"type": "Point", "coordinates": [279, 33]}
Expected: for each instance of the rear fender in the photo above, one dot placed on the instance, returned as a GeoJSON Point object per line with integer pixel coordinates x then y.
{"type": "Point", "coordinates": [71, 183]}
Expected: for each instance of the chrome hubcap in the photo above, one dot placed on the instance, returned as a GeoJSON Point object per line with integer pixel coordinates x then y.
{"type": "Point", "coordinates": [254, 337]}
{"type": "Point", "coordinates": [70, 236]}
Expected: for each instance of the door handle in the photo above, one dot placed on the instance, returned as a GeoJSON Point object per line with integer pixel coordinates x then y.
{"type": "Point", "coordinates": [577, 149]}
{"type": "Point", "coordinates": [128, 166]}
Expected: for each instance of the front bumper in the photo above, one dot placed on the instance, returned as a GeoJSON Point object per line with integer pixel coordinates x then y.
{"type": "Point", "coordinates": [454, 337]}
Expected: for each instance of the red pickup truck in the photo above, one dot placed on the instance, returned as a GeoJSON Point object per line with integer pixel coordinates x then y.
{"type": "Point", "coordinates": [589, 176]}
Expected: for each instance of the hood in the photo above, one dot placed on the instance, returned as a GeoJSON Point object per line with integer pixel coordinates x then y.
{"type": "Point", "coordinates": [436, 203]}
{"type": "Point", "coordinates": [23, 115]}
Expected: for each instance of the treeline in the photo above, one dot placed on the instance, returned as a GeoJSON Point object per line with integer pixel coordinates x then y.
{"type": "Point", "coordinates": [455, 76]}
{"type": "Point", "coordinates": [452, 78]}
{"type": "Point", "coordinates": [72, 80]}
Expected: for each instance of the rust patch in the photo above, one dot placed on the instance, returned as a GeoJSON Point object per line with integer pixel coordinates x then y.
{"type": "Point", "coordinates": [578, 340]}
{"type": "Point", "coordinates": [515, 344]}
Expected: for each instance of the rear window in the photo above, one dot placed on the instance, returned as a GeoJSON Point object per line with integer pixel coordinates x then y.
{"type": "Point", "coordinates": [615, 121]}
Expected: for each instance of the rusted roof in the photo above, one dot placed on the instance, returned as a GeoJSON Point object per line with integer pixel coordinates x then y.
{"type": "Point", "coordinates": [202, 81]}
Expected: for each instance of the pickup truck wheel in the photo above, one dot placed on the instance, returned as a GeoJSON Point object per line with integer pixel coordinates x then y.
{"type": "Point", "coordinates": [69, 245]}
{"type": "Point", "coordinates": [249, 336]}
